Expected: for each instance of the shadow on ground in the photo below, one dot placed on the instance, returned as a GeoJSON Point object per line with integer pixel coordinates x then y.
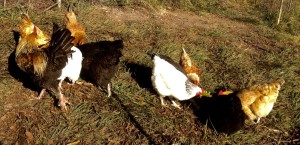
{"type": "Point", "coordinates": [133, 120]}
{"type": "Point", "coordinates": [141, 74]}
{"type": "Point", "coordinates": [222, 113]}
{"type": "Point", "coordinates": [16, 72]}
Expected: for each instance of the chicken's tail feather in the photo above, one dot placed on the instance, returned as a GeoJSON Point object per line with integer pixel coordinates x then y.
{"type": "Point", "coordinates": [270, 87]}
{"type": "Point", "coordinates": [274, 85]}
{"type": "Point", "coordinates": [280, 81]}
{"type": "Point", "coordinates": [61, 39]}
{"type": "Point", "coordinates": [25, 17]}
{"type": "Point", "coordinates": [151, 54]}
{"type": "Point", "coordinates": [183, 50]}
{"type": "Point", "coordinates": [60, 46]}
{"type": "Point", "coordinates": [118, 44]}
{"type": "Point", "coordinates": [70, 8]}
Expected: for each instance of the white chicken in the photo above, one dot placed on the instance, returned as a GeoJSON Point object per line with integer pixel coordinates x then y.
{"type": "Point", "coordinates": [169, 79]}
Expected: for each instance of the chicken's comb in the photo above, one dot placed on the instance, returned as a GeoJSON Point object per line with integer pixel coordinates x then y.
{"type": "Point", "coordinates": [34, 29]}
{"type": "Point", "coordinates": [220, 93]}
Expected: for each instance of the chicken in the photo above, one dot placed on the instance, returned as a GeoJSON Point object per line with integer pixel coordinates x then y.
{"type": "Point", "coordinates": [26, 28]}
{"type": "Point", "coordinates": [76, 28]}
{"type": "Point", "coordinates": [190, 69]}
{"type": "Point", "coordinates": [222, 113]}
{"type": "Point", "coordinates": [101, 62]}
{"type": "Point", "coordinates": [257, 101]}
{"type": "Point", "coordinates": [169, 79]}
{"type": "Point", "coordinates": [48, 67]}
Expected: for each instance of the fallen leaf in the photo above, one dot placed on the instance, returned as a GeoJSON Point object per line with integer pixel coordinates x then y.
{"type": "Point", "coordinates": [29, 136]}
{"type": "Point", "coordinates": [74, 143]}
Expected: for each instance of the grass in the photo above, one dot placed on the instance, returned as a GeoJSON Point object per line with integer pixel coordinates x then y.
{"type": "Point", "coordinates": [230, 54]}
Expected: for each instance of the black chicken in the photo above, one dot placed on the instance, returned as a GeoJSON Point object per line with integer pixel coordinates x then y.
{"type": "Point", "coordinates": [101, 62]}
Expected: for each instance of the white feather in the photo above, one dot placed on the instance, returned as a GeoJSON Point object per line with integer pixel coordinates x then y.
{"type": "Point", "coordinates": [73, 66]}
{"type": "Point", "coordinates": [168, 81]}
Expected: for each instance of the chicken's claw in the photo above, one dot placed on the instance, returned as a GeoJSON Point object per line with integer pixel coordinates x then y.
{"type": "Point", "coordinates": [176, 105]}
{"type": "Point", "coordinates": [63, 103]}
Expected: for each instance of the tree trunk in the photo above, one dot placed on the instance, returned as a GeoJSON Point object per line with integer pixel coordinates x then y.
{"type": "Point", "coordinates": [280, 12]}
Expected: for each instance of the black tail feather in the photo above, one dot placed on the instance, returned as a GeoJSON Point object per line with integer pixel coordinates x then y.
{"type": "Point", "coordinates": [118, 44]}
{"type": "Point", "coordinates": [70, 8]}
{"type": "Point", "coordinates": [60, 46]}
{"type": "Point", "coordinates": [61, 39]}
{"type": "Point", "coordinates": [151, 54]}
{"type": "Point", "coordinates": [55, 28]}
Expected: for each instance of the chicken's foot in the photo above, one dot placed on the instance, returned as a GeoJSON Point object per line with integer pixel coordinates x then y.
{"type": "Point", "coordinates": [62, 100]}
{"type": "Point", "coordinates": [41, 94]}
{"type": "Point", "coordinates": [175, 105]}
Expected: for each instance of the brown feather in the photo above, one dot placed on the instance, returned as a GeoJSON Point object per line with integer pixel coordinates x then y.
{"type": "Point", "coordinates": [190, 69]}
{"type": "Point", "coordinates": [76, 28]}
{"type": "Point", "coordinates": [27, 27]}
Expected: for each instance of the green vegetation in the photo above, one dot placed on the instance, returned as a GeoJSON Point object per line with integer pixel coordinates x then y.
{"type": "Point", "coordinates": [235, 45]}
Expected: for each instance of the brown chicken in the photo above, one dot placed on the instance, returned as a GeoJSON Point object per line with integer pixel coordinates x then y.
{"type": "Point", "coordinates": [26, 28]}
{"type": "Point", "coordinates": [76, 28]}
{"type": "Point", "coordinates": [190, 69]}
{"type": "Point", "coordinates": [46, 66]}
{"type": "Point", "coordinates": [257, 101]}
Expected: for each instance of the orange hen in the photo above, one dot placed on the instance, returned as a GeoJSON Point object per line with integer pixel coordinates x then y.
{"type": "Point", "coordinates": [257, 101]}
{"type": "Point", "coordinates": [190, 69]}
{"type": "Point", "coordinates": [76, 28]}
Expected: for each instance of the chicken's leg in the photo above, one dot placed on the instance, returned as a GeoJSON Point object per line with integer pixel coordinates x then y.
{"type": "Point", "coordinates": [162, 100]}
{"type": "Point", "coordinates": [41, 94]}
{"type": "Point", "coordinates": [62, 100]}
{"type": "Point", "coordinates": [249, 113]}
{"type": "Point", "coordinates": [59, 84]}
{"type": "Point", "coordinates": [175, 105]}
{"type": "Point", "coordinates": [257, 120]}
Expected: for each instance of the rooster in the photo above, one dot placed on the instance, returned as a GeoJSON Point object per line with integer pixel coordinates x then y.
{"type": "Point", "coordinates": [76, 28]}
{"type": "Point", "coordinates": [190, 69]}
{"type": "Point", "coordinates": [48, 67]}
{"type": "Point", "coordinates": [101, 62]}
{"type": "Point", "coordinates": [257, 101]}
{"type": "Point", "coordinates": [169, 79]}
{"type": "Point", "coordinates": [26, 28]}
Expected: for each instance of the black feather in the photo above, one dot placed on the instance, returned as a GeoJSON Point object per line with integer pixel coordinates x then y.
{"type": "Point", "coordinates": [57, 54]}
{"type": "Point", "coordinates": [60, 48]}
{"type": "Point", "coordinates": [223, 113]}
{"type": "Point", "coordinates": [101, 61]}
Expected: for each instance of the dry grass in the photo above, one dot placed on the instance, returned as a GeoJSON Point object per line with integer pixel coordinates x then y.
{"type": "Point", "coordinates": [230, 54]}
